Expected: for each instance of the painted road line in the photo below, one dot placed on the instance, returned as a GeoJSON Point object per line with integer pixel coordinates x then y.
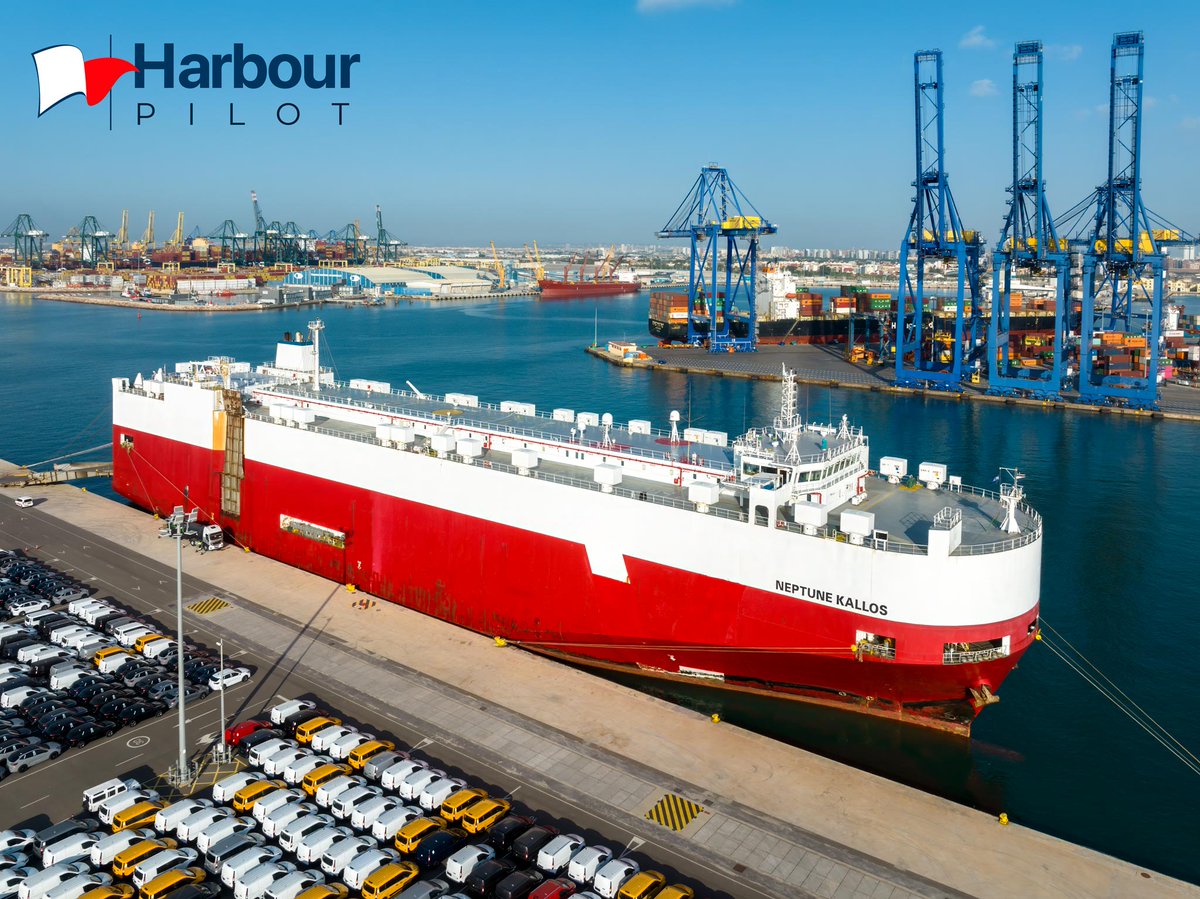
{"type": "Point", "coordinates": [35, 801]}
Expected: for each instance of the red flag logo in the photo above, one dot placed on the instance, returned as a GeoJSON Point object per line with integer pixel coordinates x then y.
{"type": "Point", "coordinates": [63, 72]}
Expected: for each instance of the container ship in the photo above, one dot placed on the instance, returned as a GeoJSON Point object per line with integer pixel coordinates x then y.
{"type": "Point", "coordinates": [784, 561]}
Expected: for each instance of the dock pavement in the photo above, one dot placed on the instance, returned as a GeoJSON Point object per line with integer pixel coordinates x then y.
{"type": "Point", "coordinates": [782, 821]}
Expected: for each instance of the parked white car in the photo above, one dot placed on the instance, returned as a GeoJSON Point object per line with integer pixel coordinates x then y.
{"type": "Point", "coordinates": [364, 816]}
{"type": "Point", "coordinates": [437, 791]}
{"type": "Point", "coordinates": [276, 799]}
{"type": "Point", "coordinates": [556, 854]}
{"type": "Point", "coordinates": [313, 846]}
{"type": "Point", "coordinates": [70, 849]}
{"type": "Point", "coordinates": [343, 851]}
{"type": "Point", "coordinates": [289, 707]}
{"type": "Point", "coordinates": [392, 777]}
{"type": "Point", "coordinates": [255, 882]}
{"type": "Point", "coordinates": [297, 830]}
{"type": "Point", "coordinates": [193, 825]}
{"type": "Point", "coordinates": [12, 878]}
{"type": "Point", "coordinates": [347, 801]}
{"type": "Point", "coordinates": [342, 748]}
{"type": "Point", "coordinates": [583, 866]}
{"type": "Point", "coordinates": [228, 678]}
{"type": "Point", "coordinates": [168, 819]}
{"type": "Point", "coordinates": [108, 809]}
{"type": "Point", "coordinates": [155, 648]}
{"type": "Point", "coordinates": [389, 823]}
{"type": "Point", "coordinates": [327, 736]}
{"type": "Point", "coordinates": [379, 763]}
{"type": "Point", "coordinates": [330, 790]}
{"type": "Point", "coordinates": [412, 785]}
{"type": "Point", "coordinates": [219, 830]}
{"type": "Point", "coordinates": [128, 636]}
{"type": "Point", "coordinates": [256, 756]}
{"type": "Point", "coordinates": [107, 848]}
{"type": "Point", "coordinates": [292, 885]}
{"type": "Point", "coordinates": [37, 886]}
{"type": "Point", "coordinates": [246, 861]}
{"type": "Point", "coordinates": [274, 764]}
{"type": "Point", "coordinates": [166, 860]}
{"type": "Point", "coordinates": [612, 874]}
{"type": "Point", "coordinates": [76, 886]}
{"type": "Point", "coordinates": [274, 823]}
{"type": "Point", "coordinates": [294, 772]}
{"type": "Point", "coordinates": [365, 863]}
{"type": "Point", "coordinates": [460, 865]}
{"type": "Point", "coordinates": [224, 789]}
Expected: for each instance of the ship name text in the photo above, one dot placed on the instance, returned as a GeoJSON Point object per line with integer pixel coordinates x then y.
{"type": "Point", "coordinates": [834, 599]}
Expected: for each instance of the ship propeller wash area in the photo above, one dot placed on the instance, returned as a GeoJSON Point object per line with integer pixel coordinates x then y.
{"type": "Point", "coordinates": [443, 281]}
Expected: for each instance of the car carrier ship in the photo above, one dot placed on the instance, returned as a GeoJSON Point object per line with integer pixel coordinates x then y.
{"type": "Point", "coordinates": [782, 561]}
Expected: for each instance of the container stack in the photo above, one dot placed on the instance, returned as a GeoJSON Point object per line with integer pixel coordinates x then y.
{"type": "Point", "coordinates": [668, 307]}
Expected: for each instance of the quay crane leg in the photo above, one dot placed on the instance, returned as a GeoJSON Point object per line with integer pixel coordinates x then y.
{"type": "Point", "coordinates": [934, 234]}
{"type": "Point", "coordinates": [715, 214]}
{"type": "Point", "coordinates": [1028, 243]}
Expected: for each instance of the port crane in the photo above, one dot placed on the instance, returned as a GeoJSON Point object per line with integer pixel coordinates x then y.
{"type": "Point", "coordinates": [28, 241]}
{"type": "Point", "coordinates": [1123, 246]}
{"type": "Point", "coordinates": [501, 280]}
{"type": "Point", "coordinates": [925, 356]}
{"type": "Point", "coordinates": [234, 242]}
{"type": "Point", "coordinates": [267, 244]}
{"type": "Point", "coordinates": [122, 237]}
{"type": "Point", "coordinates": [94, 241]}
{"type": "Point", "coordinates": [387, 247]}
{"type": "Point", "coordinates": [714, 216]}
{"type": "Point", "coordinates": [176, 240]}
{"type": "Point", "coordinates": [1029, 244]}
{"type": "Point", "coordinates": [535, 261]}
{"type": "Point", "coordinates": [353, 241]}
{"type": "Point", "coordinates": [148, 234]}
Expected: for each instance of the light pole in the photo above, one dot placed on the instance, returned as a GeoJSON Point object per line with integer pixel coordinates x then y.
{"type": "Point", "coordinates": [179, 523]}
{"type": "Point", "coordinates": [223, 751]}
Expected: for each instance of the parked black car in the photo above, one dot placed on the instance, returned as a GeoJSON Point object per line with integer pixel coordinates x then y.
{"type": "Point", "coordinates": [87, 731]}
{"type": "Point", "coordinates": [485, 876]}
{"type": "Point", "coordinates": [507, 829]}
{"type": "Point", "coordinates": [140, 711]}
{"type": "Point", "coordinates": [437, 847]}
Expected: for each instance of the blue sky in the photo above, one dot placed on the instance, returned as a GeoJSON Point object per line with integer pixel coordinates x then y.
{"type": "Point", "coordinates": [586, 121]}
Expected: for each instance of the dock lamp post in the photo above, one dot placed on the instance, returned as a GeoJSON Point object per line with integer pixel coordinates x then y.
{"type": "Point", "coordinates": [223, 754]}
{"type": "Point", "coordinates": [180, 523]}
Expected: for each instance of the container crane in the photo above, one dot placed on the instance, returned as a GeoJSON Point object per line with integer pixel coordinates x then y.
{"type": "Point", "coordinates": [234, 242]}
{"type": "Point", "coordinates": [177, 235]}
{"type": "Point", "coordinates": [535, 262]}
{"type": "Point", "coordinates": [501, 280]}
{"type": "Point", "coordinates": [122, 237]}
{"type": "Point", "coordinates": [94, 241]}
{"type": "Point", "coordinates": [1029, 243]}
{"type": "Point", "coordinates": [267, 240]}
{"type": "Point", "coordinates": [716, 214]}
{"type": "Point", "coordinates": [387, 247]}
{"type": "Point", "coordinates": [28, 241]}
{"type": "Point", "coordinates": [935, 234]}
{"type": "Point", "coordinates": [1123, 247]}
{"type": "Point", "coordinates": [148, 234]}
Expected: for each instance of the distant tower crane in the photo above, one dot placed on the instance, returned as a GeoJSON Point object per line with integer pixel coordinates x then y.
{"type": "Point", "coordinates": [1029, 243]}
{"type": "Point", "coordinates": [122, 237]}
{"type": "Point", "coordinates": [266, 237]}
{"type": "Point", "coordinates": [925, 356]}
{"type": "Point", "coordinates": [1123, 247]}
{"type": "Point", "coordinates": [28, 240]}
{"type": "Point", "coordinates": [94, 241]}
{"type": "Point", "coordinates": [716, 214]}
{"type": "Point", "coordinates": [387, 247]}
{"type": "Point", "coordinates": [148, 234]}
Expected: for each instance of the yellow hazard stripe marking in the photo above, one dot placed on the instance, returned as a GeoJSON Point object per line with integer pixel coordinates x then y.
{"type": "Point", "coordinates": [674, 812]}
{"type": "Point", "coordinates": [208, 606]}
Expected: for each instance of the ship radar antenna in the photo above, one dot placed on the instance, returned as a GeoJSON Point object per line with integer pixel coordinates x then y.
{"type": "Point", "coordinates": [607, 421]}
{"type": "Point", "coordinates": [787, 423]}
{"type": "Point", "coordinates": [674, 427]}
{"type": "Point", "coordinates": [1011, 496]}
{"type": "Point", "coordinates": [844, 430]}
{"type": "Point", "coordinates": [315, 327]}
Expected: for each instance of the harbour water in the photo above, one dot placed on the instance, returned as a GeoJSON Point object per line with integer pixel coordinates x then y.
{"type": "Point", "coordinates": [1121, 578]}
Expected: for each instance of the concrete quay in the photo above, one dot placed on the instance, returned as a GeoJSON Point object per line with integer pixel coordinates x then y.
{"type": "Point", "coordinates": [824, 365]}
{"type": "Point", "coordinates": [777, 821]}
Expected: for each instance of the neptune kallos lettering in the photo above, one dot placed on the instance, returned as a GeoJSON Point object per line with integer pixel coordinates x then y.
{"type": "Point", "coordinates": [242, 70]}
{"type": "Point", "coordinates": [834, 599]}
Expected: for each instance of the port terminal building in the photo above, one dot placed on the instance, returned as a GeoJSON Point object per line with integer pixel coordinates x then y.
{"type": "Point", "coordinates": [390, 280]}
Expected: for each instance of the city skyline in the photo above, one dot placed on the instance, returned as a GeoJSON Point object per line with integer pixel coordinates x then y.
{"type": "Point", "coordinates": [583, 125]}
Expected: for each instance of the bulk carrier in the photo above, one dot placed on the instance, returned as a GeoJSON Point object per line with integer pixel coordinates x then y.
{"type": "Point", "coordinates": [781, 561]}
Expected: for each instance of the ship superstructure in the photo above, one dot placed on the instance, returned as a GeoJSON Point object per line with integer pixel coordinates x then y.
{"type": "Point", "coordinates": [778, 561]}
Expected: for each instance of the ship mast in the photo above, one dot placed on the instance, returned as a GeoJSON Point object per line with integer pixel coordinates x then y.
{"type": "Point", "coordinates": [315, 328]}
{"type": "Point", "coordinates": [1011, 496]}
{"type": "Point", "coordinates": [787, 423]}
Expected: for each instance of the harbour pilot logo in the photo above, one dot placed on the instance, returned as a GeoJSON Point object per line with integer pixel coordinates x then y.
{"type": "Point", "coordinates": [62, 72]}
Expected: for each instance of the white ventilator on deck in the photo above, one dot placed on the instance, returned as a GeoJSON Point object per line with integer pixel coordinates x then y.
{"type": "Point", "coordinates": [525, 460]}
{"type": "Point", "coordinates": [704, 494]}
{"type": "Point", "coordinates": [470, 448]}
{"type": "Point", "coordinates": [442, 444]}
{"type": "Point", "coordinates": [858, 525]}
{"type": "Point", "coordinates": [607, 476]}
{"type": "Point", "coordinates": [893, 468]}
{"type": "Point", "coordinates": [932, 474]}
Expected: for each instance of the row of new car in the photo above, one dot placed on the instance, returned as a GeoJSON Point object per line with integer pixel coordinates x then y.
{"type": "Point", "coordinates": [341, 796]}
{"type": "Point", "coordinates": [27, 585]}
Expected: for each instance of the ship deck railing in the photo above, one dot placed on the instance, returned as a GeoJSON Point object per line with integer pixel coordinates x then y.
{"type": "Point", "coordinates": [463, 420]}
{"type": "Point", "coordinates": [972, 656]}
{"type": "Point", "coordinates": [650, 492]}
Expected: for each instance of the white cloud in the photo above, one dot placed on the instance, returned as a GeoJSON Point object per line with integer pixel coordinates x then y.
{"type": "Point", "coordinates": [1190, 123]}
{"type": "Point", "coordinates": [1151, 102]}
{"type": "Point", "coordinates": [984, 87]}
{"type": "Point", "coordinates": [1064, 52]}
{"type": "Point", "coordinates": [652, 6]}
{"type": "Point", "coordinates": [976, 38]}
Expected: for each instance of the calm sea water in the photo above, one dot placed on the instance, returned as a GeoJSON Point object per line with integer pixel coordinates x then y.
{"type": "Point", "coordinates": [1120, 577]}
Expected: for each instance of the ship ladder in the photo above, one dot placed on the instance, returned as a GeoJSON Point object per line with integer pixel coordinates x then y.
{"type": "Point", "coordinates": [1106, 687]}
{"type": "Point", "coordinates": [235, 454]}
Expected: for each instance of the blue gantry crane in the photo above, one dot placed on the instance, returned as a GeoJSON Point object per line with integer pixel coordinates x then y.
{"type": "Point", "coordinates": [925, 355]}
{"type": "Point", "coordinates": [724, 228]}
{"type": "Point", "coordinates": [1029, 245]}
{"type": "Point", "coordinates": [1123, 248]}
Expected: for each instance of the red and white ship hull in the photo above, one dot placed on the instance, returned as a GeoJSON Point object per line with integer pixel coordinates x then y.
{"type": "Point", "coordinates": [587, 575]}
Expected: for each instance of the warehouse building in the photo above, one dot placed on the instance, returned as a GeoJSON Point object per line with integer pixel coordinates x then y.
{"type": "Point", "coordinates": [388, 280]}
